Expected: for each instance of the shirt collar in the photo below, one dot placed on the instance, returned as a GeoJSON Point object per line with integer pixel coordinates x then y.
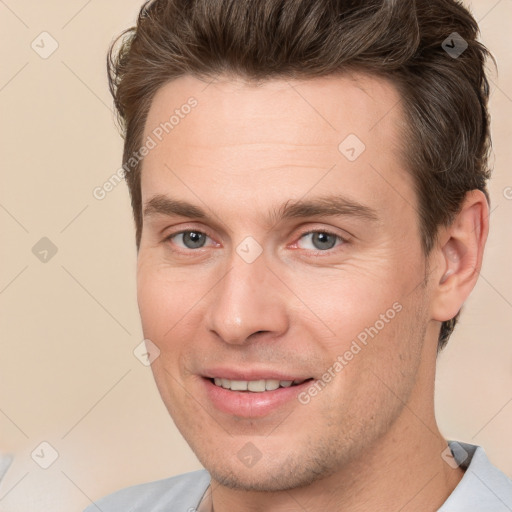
{"type": "Point", "coordinates": [483, 488]}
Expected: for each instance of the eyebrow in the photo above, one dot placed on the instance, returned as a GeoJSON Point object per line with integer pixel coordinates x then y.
{"type": "Point", "coordinates": [324, 206]}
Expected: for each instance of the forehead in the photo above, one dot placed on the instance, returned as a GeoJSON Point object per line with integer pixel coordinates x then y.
{"type": "Point", "coordinates": [288, 136]}
{"type": "Point", "coordinates": [325, 106]}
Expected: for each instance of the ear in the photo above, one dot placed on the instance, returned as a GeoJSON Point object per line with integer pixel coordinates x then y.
{"type": "Point", "coordinates": [457, 257]}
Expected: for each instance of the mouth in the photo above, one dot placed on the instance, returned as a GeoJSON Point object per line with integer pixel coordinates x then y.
{"type": "Point", "coordinates": [255, 398]}
{"type": "Point", "coordinates": [256, 386]}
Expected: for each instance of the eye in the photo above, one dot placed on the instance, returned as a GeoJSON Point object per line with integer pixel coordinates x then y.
{"type": "Point", "coordinates": [312, 240]}
{"type": "Point", "coordinates": [189, 239]}
{"type": "Point", "coordinates": [319, 241]}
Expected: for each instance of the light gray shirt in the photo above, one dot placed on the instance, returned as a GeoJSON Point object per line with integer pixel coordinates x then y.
{"type": "Point", "coordinates": [5, 462]}
{"type": "Point", "coordinates": [483, 488]}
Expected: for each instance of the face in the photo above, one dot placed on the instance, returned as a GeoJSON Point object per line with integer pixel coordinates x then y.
{"type": "Point", "coordinates": [281, 247]}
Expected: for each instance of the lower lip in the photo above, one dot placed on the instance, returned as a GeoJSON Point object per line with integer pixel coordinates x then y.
{"type": "Point", "coordinates": [247, 404]}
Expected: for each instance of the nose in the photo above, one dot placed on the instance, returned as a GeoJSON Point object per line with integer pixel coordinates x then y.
{"type": "Point", "coordinates": [249, 300]}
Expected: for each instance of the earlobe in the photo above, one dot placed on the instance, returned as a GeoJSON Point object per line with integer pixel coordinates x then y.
{"type": "Point", "coordinates": [459, 255]}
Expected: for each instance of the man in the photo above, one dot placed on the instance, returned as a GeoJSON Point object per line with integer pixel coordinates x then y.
{"type": "Point", "coordinates": [308, 181]}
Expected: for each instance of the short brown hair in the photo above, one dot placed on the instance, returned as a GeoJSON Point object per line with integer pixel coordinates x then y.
{"type": "Point", "coordinates": [444, 95]}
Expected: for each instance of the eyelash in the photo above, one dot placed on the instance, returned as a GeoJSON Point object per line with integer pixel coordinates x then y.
{"type": "Point", "coordinates": [343, 240]}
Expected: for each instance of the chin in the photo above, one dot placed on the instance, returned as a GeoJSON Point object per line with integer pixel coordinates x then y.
{"type": "Point", "coordinates": [247, 481]}
{"type": "Point", "coordinates": [280, 476]}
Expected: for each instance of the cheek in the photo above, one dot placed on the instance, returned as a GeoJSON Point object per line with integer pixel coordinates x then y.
{"type": "Point", "coordinates": [171, 308]}
{"type": "Point", "coordinates": [377, 368]}
{"type": "Point", "coordinates": [352, 301]}
{"type": "Point", "coordinates": [393, 342]}
{"type": "Point", "coordinates": [164, 299]}
{"type": "Point", "coordinates": [163, 307]}
{"type": "Point", "coordinates": [153, 300]}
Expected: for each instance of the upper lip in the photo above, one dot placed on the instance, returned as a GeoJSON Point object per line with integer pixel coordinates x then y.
{"type": "Point", "coordinates": [251, 374]}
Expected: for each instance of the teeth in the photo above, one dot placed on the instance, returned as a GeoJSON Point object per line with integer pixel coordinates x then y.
{"type": "Point", "coordinates": [271, 384]}
{"type": "Point", "coordinates": [256, 386]}
{"type": "Point", "coordinates": [239, 385]}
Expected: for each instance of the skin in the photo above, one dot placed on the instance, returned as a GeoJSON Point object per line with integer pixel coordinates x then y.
{"type": "Point", "coordinates": [369, 440]}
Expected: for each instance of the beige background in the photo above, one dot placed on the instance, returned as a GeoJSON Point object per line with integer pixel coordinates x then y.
{"type": "Point", "coordinates": [69, 326]}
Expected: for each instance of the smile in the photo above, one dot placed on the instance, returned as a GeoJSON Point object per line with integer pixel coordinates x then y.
{"type": "Point", "coordinates": [255, 386]}
{"type": "Point", "coordinates": [252, 398]}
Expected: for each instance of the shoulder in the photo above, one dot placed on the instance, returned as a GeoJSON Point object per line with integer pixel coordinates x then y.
{"type": "Point", "coordinates": [483, 488]}
{"type": "Point", "coordinates": [184, 491]}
